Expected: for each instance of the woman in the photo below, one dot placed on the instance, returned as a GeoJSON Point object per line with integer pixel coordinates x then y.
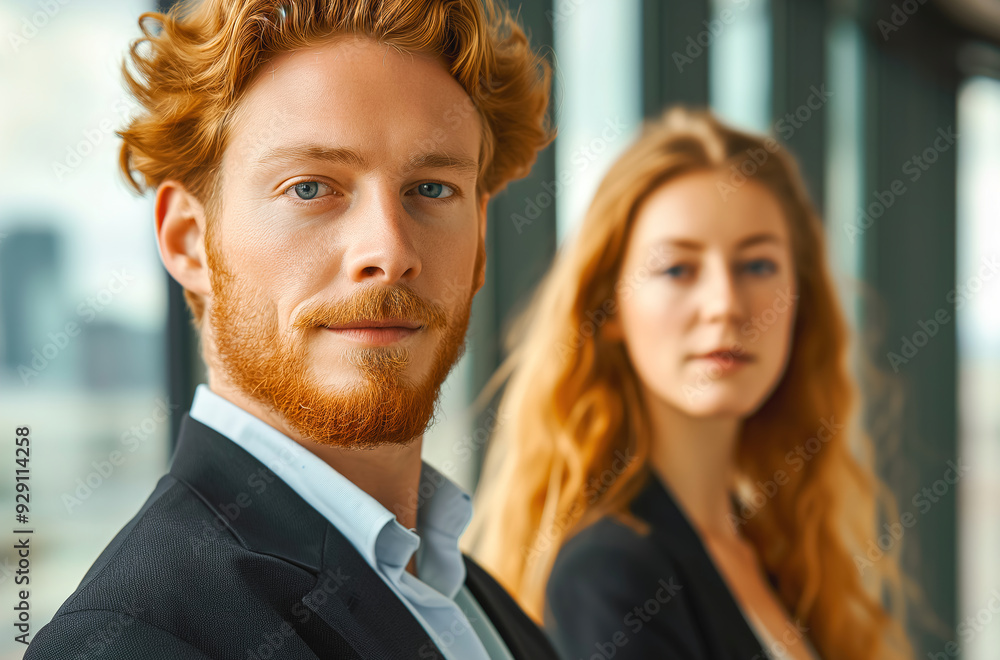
{"type": "Point", "coordinates": [676, 472]}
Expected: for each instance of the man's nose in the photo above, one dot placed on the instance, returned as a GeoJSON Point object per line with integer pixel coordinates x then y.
{"type": "Point", "coordinates": [380, 240]}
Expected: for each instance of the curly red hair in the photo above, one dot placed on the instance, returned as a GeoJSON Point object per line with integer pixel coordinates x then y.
{"type": "Point", "coordinates": [192, 73]}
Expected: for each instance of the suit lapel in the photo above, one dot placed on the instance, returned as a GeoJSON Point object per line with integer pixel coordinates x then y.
{"type": "Point", "coordinates": [353, 600]}
{"type": "Point", "coordinates": [270, 518]}
{"type": "Point", "coordinates": [717, 607]}
{"type": "Point", "coordinates": [523, 638]}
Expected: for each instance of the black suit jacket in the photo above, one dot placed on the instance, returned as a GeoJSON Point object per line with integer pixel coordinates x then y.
{"type": "Point", "coordinates": [614, 593]}
{"type": "Point", "coordinates": [226, 561]}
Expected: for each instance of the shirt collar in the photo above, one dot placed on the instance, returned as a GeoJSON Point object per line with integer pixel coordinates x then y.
{"type": "Point", "coordinates": [443, 508]}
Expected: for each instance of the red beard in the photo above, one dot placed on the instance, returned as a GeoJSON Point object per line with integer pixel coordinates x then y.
{"type": "Point", "coordinates": [387, 409]}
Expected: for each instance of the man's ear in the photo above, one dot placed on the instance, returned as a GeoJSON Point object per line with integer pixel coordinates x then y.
{"type": "Point", "coordinates": [481, 274]}
{"type": "Point", "coordinates": [180, 234]}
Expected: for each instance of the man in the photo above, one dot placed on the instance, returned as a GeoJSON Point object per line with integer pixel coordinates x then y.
{"type": "Point", "coordinates": [322, 170]}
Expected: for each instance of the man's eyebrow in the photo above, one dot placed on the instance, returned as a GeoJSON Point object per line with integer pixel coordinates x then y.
{"type": "Point", "coordinates": [315, 152]}
{"type": "Point", "coordinates": [436, 160]}
{"type": "Point", "coordinates": [351, 158]}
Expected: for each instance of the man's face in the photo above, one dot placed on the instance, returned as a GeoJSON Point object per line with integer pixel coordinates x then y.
{"type": "Point", "coordinates": [348, 199]}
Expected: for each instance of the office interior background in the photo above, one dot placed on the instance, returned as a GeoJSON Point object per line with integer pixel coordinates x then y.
{"type": "Point", "coordinates": [858, 89]}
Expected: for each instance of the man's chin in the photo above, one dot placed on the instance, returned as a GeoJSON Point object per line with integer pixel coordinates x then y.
{"type": "Point", "coordinates": [362, 416]}
{"type": "Point", "coordinates": [347, 379]}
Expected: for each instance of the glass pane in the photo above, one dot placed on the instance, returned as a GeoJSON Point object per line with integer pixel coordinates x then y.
{"type": "Point", "coordinates": [82, 291]}
{"type": "Point", "coordinates": [597, 98]}
{"type": "Point", "coordinates": [977, 309]}
{"type": "Point", "coordinates": [739, 38]}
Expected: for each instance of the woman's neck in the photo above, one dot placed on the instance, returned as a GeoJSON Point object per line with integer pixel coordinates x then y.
{"type": "Point", "coordinates": [696, 457]}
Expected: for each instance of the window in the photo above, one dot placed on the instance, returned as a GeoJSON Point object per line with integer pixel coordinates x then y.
{"type": "Point", "coordinates": [82, 290]}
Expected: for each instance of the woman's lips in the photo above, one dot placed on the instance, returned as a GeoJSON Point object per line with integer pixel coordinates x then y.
{"type": "Point", "coordinates": [726, 362]}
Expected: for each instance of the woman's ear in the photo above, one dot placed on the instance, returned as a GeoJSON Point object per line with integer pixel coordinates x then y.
{"type": "Point", "coordinates": [180, 234]}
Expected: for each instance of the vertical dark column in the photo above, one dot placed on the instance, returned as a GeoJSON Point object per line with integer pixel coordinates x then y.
{"type": "Point", "coordinates": [798, 92]}
{"type": "Point", "coordinates": [182, 366]}
{"type": "Point", "coordinates": [520, 238]}
{"type": "Point", "coordinates": [909, 259]}
{"type": "Point", "coordinates": [674, 61]}
{"type": "Point", "coordinates": [183, 359]}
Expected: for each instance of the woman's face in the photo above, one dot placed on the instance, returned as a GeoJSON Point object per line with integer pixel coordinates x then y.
{"type": "Point", "coordinates": [723, 280]}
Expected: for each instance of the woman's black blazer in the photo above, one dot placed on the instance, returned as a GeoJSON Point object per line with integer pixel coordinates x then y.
{"type": "Point", "coordinates": [615, 594]}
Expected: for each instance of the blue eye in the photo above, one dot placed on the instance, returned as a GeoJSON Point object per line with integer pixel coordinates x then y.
{"type": "Point", "coordinates": [675, 271]}
{"type": "Point", "coordinates": [768, 267]}
{"type": "Point", "coordinates": [306, 189]}
{"type": "Point", "coordinates": [435, 190]}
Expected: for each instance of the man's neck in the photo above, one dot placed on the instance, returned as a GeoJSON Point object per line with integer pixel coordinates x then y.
{"type": "Point", "coordinates": [390, 474]}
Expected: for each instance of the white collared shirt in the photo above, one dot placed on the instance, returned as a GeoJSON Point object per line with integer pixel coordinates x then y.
{"type": "Point", "coordinates": [438, 599]}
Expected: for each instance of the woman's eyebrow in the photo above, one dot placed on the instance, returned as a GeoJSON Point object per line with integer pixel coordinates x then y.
{"type": "Point", "coordinates": [689, 244]}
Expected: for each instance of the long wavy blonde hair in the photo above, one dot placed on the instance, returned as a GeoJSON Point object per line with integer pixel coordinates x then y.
{"type": "Point", "coordinates": [572, 401]}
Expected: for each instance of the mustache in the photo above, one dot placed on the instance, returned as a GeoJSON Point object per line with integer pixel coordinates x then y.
{"type": "Point", "coordinates": [374, 303]}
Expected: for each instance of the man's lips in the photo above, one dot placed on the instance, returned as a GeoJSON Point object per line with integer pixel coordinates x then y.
{"type": "Point", "coordinates": [371, 323]}
{"type": "Point", "coordinates": [378, 333]}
